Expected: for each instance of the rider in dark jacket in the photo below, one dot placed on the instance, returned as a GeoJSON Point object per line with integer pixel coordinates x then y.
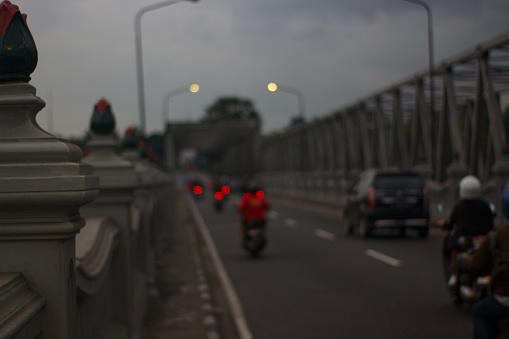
{"type": "Point", "coordinates": [492, 257]}
{"type": "Point", "coordinates": [471, 217]}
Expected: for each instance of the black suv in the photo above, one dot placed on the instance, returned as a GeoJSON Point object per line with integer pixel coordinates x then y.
{"type": "Point", "coordinates": [387, 199]}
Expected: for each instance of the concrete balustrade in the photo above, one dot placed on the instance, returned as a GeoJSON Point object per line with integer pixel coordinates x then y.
{"type": "Point", "coordinates": [78, 238]}
{"type": "Point", "coordinates": [131, 198]}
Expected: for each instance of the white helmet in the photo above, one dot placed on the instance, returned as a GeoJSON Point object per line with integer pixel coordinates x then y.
{"type": "Point", "coordinates": [470, 188]}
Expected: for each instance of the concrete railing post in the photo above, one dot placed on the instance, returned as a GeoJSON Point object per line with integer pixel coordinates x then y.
{"type": "Point", "coordinates": [116, 201]}
{"type": "Point", "coordinates": [154, 189]}
{"type": "Point", "coordinates": [43, 184]}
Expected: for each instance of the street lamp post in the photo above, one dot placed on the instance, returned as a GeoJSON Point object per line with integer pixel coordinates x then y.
{"type": "Point", "coordinates": [273, 87]}
{"type": "Point", "coordinates": [431, 64]}
{"type": "Point", "coordinates": [169, 138]}
{"type": "Point", "coordinates": [139, 56]}
{"type": "Point", "coordinates": [193, 88]}
{"type": "Point", "coordinates": [302, 151]}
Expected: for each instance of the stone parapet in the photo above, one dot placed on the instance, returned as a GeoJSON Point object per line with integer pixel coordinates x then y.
{"type": "Point", "coordinates": [43, 185]}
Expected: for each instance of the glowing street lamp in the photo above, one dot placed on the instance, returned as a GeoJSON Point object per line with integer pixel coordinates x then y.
{"type": "Point", "coordinates": [193, 88]}
{"type": "Point", "coordinates": [273, 87]}
{"type": "Point", "coordinates": [139, 55]}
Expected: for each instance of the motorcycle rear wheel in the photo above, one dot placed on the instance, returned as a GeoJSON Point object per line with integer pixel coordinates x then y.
{"type": "Point", "coordinates": [454, 294]}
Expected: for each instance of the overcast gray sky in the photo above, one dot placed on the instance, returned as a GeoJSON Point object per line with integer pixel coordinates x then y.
{"type": "Point", "coordinates": [333, 51]}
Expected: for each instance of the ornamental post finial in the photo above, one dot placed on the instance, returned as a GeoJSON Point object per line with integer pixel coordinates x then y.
{"type": "Point", "coordinates": [103, 120]}
{"type": "Point", "coordinates": [18, 53]}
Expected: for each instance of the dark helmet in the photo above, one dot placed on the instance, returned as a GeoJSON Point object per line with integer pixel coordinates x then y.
{"type": "Point", "coordinates": [252, 186]}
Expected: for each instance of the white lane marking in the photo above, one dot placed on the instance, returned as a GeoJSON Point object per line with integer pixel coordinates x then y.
{"type": "Point", "coordinates": [325, 235]}
{"type": "Point", "coordinates": [290, 222]}
{"type": "Point", "coordinates": [272, 215]}
{"type": "Point", "coordinates": [231, 294]}
{"type": "Point", "coordinates": [383, 258]}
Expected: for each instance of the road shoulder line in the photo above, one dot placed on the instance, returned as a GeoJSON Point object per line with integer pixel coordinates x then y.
{"type": "Point", "coordinates": [231, 294]}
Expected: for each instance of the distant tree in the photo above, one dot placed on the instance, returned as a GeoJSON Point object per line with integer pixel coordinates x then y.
{"type": "Point", "coordinates": [298, 120]}
{"type": "Point", "coordinates": [231, 108]}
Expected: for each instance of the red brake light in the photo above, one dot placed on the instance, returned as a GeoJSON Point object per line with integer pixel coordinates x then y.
{"type": "Point", "coordinates": [260, 194]}
{"type": "Point", "coordinates": [197, 189]}
{"type": "Point", "coordinates": [371, 197]}
{"type": "Point", "coordinates": [218, 196]}
{"type": "Point", "coordinates": [225, 189]}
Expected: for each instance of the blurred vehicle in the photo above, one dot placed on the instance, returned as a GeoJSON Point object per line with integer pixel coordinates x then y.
{"type": "Point", "coordinates": [219, 200]}
{"type": "Point", "coordinates": [469, 288]}
{"type": "Point", "coordinates": [387, 198]}
{"type": "Point", "coordinates": [223, 186]}
{"type": "Point", "coordinates": [221, 193]}
{"type": "Point", "coordinates": [195, 187]}
{"type": "Point", "coordinates": [253, 206]}
{"type": "Point", "coordinates": [255, 240]}
{"type": "Point", "coordinates": [237, 184]}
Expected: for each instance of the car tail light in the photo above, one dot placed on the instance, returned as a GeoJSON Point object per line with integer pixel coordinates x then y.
{"type": "Point", "coordinates": [197, 190]}
{"type": "Point", "coordinates": [371, 197]}
{"type": "Point", "coordinates": [219, 195]}
{"type": "Point", "coordinates": [225, 189]}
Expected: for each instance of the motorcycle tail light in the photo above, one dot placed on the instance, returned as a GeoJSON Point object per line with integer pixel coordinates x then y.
{"type": "Point", "coordinates": [219, 195]}
{"type": "Point", "coordinates": [371, 197]}
{"type": "Point", "coordinates": [197, 190]}
{"type": "Point", "coordinates": [260, 194]}
{"type": "Point", "coordinates": [225, 189]}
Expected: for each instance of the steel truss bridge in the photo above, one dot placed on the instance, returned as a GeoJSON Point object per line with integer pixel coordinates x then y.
{"type": "Point", "coordinates": [464, 133]}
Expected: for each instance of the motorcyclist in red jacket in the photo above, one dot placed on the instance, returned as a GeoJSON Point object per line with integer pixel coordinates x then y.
{"type": "Point", "coordinates": [253, 205]}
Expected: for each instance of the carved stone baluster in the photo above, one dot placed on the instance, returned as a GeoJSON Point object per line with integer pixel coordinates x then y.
{"type": "Point", "coordinates": [43, 184]}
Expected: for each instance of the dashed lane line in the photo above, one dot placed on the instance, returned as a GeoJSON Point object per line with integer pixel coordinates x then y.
{"type": "Point", "coordinates": [325, 235]}
{"type": "Point", "coordinates": [383, 258]}
{"type": "Point", "coordinates": [272, 215]}
{"type": "Point", "coordinates": [290, 222]}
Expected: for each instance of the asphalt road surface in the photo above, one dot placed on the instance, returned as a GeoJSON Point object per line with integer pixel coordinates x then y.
{"type": "Point", "coordinates": [312, 281]}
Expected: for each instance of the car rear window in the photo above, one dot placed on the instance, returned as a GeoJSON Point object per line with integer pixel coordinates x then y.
{"type": "Point", "coordinates": [398, 182]}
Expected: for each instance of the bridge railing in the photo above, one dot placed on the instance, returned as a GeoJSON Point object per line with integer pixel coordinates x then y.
{"type": "Point", "coordinates": [109, 265]}
{"type": "Point", "coordinates": [331, 189]}
{"type": "Point", "coordinates": [124, 225]}
{"type": "Point", "coordinates": [79, 239]}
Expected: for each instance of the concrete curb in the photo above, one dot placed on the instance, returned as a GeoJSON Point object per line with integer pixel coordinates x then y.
{"type": "Point", "coordinates": [230, 293]}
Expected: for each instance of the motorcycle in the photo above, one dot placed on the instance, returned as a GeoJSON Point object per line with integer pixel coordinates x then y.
{"type": "Point", "coordinates": [219, 198]}
{"type": "Point", "coordinates": [220, 195]}
{"type": "Point", "coordinates": [468, 288]}
{"type": "Point", "coordinates": [255, 239]}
